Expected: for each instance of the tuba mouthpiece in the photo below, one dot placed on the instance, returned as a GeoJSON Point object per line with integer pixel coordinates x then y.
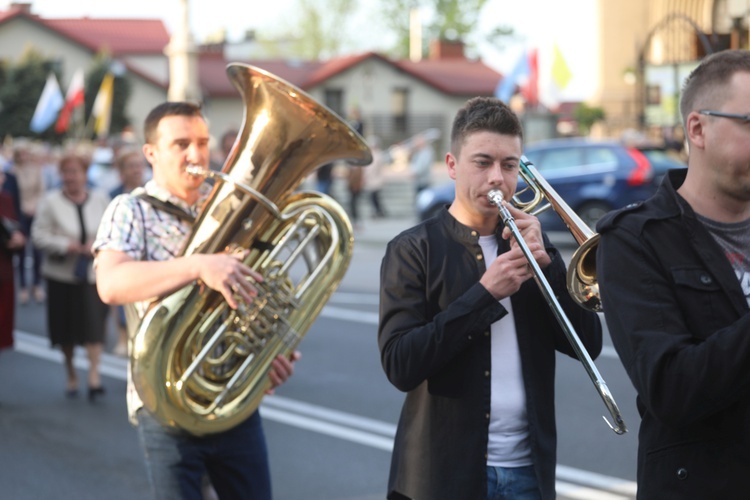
{"type": "Point", "coordinates": [196, 170]}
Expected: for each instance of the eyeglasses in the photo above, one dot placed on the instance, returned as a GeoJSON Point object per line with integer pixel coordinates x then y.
{"type": "Point", "coordinates": [744, 118]}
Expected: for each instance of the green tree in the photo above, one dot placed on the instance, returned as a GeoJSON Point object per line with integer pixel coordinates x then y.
{"type": "Point", "coordinates": [21, 86]}
{"type": "Point", "coordinates": [587, 116]}
{"type": "Point", "coordinates": [449, 20]}
{"type": "Point", "coordinates": [319, 28]}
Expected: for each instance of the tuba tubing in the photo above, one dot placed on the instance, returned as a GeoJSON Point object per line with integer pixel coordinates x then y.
{"type": "Point", "coordinates": [197, 364]}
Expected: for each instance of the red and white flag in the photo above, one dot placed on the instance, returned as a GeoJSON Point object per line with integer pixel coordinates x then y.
{"type": "Point", "coordinates": [73, 99]}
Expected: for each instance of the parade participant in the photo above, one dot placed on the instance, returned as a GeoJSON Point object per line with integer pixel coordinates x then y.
{"type": "Point", "coordinates": [469, 337]}
{"type": "Point", "coordinates": [131, 165]}
{"type": "Point", "coordinates": [420, 163]}
{"type": "Point", "coordinates": [27, 169]}
{"type": "Point", "coordinates": [63, 229]}
{"type": "Point", "coordinates": [135, 261]}
{"type": "Point", "coordinates": [675, 284]}
{"type": "Point", "coordinates": [11, 240]}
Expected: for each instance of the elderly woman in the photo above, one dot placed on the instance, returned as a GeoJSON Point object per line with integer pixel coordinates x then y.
{"type": "Point", "coordinates": [64, 228]}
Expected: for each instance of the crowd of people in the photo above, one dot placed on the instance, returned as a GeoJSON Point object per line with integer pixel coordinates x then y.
{"type": "Point", "coordinates": [52, 205]}
{"type": "Point", "coordinates": [464, 329]}
{"type": "Point", "coordinates": [68, 215]}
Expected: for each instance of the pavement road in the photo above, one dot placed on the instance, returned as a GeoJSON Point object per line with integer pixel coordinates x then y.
{"type": "Point", "coordinates": [330, 428]}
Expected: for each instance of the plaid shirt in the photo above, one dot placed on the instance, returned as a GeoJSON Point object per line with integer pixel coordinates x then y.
{"type": "Point", "coordinates": [144, 232]}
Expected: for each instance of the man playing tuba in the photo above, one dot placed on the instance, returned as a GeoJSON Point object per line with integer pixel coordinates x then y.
{"type": "Point", "coordinates": [135, 261]}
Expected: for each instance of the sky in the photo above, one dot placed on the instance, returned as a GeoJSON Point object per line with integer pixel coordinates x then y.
{"type": "Point", "coordinates": [538, 23]}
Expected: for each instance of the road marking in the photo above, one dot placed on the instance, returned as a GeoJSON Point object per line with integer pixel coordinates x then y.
{"type": "Point", "coordinates": [361, 430]}
{"type": "Point", "coordinates": [340, 313]}
{"type": "Point", "coordinates": [370, 318]}
{"type": "Point", "coordinates": [575, 492]}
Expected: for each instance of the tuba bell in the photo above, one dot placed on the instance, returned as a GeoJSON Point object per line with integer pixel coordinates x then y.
{"type": "Point", "coordinates": [199, 365]}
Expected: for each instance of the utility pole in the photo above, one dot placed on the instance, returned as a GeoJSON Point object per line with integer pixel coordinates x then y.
{"type": "Point", "coordinates": [183, 61]}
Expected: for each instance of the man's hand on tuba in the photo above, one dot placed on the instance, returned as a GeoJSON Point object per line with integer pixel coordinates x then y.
{"type": "Point", "coordinates": [227, 274]}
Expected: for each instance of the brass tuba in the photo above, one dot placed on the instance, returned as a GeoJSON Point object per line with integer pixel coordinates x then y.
{"type": "Point", "coordinates": [197, 364]}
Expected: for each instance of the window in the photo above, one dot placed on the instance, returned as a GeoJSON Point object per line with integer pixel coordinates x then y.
{"type": "Point", "coordinates": [399, 109]}
{"type": "Point", "coordinates": [334, 99]}
{"type": "Point", "coordinates": [599, 156]}
{"type": "Point", "coordinates": [557, 159]}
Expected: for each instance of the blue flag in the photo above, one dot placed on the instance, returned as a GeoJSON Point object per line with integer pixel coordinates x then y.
{"type": "Point", "coordinates": [48, 107]}
{"type": "Point", "coordinates": [507, 85]}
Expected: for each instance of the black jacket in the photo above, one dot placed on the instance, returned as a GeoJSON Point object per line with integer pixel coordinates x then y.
{"type": "Point", "coordinates": [679, 321]}
{"type": "Point", "coordinates": [434, 338]}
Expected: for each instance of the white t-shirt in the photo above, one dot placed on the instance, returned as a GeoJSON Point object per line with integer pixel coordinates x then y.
{"type": "Point", "coordinates": [508, 444]}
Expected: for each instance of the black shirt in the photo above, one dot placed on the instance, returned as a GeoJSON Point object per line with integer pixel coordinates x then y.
{"type": "Point", "coordinates": [434, 338]}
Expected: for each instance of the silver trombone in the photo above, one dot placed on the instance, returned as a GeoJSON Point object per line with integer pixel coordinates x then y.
{"type": "Point", "coordinates": [586, 250]}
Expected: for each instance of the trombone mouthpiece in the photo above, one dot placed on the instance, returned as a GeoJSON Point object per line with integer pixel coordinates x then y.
{"type": "Point", "coordinates": [495, 197]}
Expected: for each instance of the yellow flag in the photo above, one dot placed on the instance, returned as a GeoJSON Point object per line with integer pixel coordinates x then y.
{"type": "Point", "coordinates": [561, 74]}
{"type": "Point", "coordinates": [102, 110]}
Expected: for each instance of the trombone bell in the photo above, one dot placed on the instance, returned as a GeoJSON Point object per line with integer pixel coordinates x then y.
{"type": "Point", "coordinates": [582, 283]}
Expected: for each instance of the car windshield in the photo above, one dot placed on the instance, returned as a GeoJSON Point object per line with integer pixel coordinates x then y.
{"type": "Point", "coordinates": [662, 160]}
{"type": "Point", "coordinates": [573, 160]}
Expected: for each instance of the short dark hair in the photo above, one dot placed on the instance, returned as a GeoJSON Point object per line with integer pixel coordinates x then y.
{"type": "Point", "coordinates": [167, 109]}
{"type": "Point", "coordinates": [484, 113]}
{"type": "Point", "coordinates": [710, 80]}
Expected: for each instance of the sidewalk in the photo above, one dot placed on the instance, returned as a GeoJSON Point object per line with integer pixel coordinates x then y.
{"type": "Point", "coordinates": [378, 232]}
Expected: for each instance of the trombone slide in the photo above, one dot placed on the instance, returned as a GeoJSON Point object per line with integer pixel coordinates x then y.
{"type": "Point", "coordinates": [496, 198]}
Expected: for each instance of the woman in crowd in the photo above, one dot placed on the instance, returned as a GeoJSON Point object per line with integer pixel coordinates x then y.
{"type": "Point", "coordinates": [28, 171]}
{"type": "Point", "coordinates": [64, 228]}
{"type": "Point", "coordinates": [131, 164]}
{"type": "Point", "coordinates": [11, 238]}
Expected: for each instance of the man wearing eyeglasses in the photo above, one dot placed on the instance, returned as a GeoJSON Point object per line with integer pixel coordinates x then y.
{"type": "Point", "coordinates": [674, 278]}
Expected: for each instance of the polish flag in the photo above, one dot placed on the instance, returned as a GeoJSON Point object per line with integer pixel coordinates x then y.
{"type": "Point", "coordinates": [73, 99]}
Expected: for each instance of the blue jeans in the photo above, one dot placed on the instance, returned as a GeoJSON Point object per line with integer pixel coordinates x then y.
{"type": "Point", "coordinates": [236, 460]}
{"type": "Point", "coordinates": [512, 483]}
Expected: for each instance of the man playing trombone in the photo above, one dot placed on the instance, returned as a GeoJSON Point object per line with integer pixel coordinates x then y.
{"type": "Point", "coordinates": [469, 337]}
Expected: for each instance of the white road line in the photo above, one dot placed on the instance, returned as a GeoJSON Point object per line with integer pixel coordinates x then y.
{"type": "Point", "coordinates": [576, 492]}
{"type": "Point", "coordinates": [371, 299]}
{"type": "Point", "coordinates": [369, 318]}
{"type": "Point", "coordinates": [335, 416]}
{"type": "Point", "coordinates": [595, 480]}
{"type": "Point", "coordinates": [356, 429]}
{"type": "Point", "coordinates": [333, 312]}
{"type": "Point", "coordinates": [315, 425]}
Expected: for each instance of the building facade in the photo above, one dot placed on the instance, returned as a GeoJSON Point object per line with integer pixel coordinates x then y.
{"type": "Point", "coordinates": [647, 49]}
{"type": "Point", "coordinates": [395, 99]}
